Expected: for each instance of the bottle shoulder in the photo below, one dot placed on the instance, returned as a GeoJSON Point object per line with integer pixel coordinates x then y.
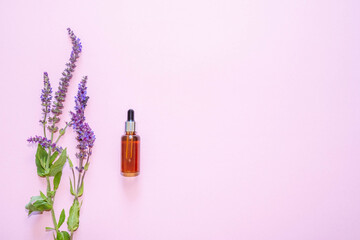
{"type": "Point", "coordinates": [132, 137]}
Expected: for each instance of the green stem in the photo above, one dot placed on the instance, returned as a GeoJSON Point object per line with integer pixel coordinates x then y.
{"type": "Point", "coordinates": [44, 130]}
{"type": "Point", "coordinates": [44, 122]}
{"type": "Point", "coordinates": [52, 203]}
{"type": "Point", "coordinates": [48, 189]}
{"type": "Point", "coordinates": [83, 176]}
{"type": "Point", "coordinates": [78, 185]}
{"type": "Point", "coordinates": [82, 179]}
{"type": "Point", "coordinates": [54, 219]}
{"type": "Point", "coordinates": [52, 199]}
{"type": "Point", "coordinates": [80, 182]}
{"type": "Point", "coordinates": [72, 169]}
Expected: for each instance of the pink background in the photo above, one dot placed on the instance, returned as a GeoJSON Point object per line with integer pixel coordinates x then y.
{"type": "Point", "coordinates": [248, 111]}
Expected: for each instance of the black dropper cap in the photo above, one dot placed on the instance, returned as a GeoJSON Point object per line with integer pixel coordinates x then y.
{"type": "Point", "coordinates": [130, 115]}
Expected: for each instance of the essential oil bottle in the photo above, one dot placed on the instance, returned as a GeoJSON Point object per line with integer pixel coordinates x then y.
{"type": "Point", "coordinates": [130, 148]}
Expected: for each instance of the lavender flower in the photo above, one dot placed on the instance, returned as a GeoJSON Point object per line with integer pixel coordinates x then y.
{"type": "Point", "coordinates": [45, 143]}
{"type": "Point", "coordinates": [64, 82]}
{"type": "Point", "coordinates": [85, 135]}
{"type": "Point", "coordinates": [46, 96]}
{"type": "Point", "coordinates": [81, 99]}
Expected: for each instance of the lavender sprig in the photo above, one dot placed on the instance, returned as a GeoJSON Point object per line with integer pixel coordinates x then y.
{"type": "Point", "coordinates": [60, 94]}
{"type": "Point", "coordinates": [86, 138]}
{"type": "Point", "coordinates": [49, 162]}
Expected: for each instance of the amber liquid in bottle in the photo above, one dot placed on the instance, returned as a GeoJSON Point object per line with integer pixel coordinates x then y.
{"type": "Point", "coordinates": [130, 149]}
{"type": "Point", "coordinates": [130, 155]}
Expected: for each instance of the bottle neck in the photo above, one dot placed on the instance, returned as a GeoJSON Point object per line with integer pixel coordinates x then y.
{"type": "Point", "coordinates": [129, 126]}
{"type": "Point", "coordinates": [130, 133]}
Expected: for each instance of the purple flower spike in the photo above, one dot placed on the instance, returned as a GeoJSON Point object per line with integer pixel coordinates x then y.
{"type": "Point", "coordinates": [45, 143]}
{"type": "Point", "coordinates": [85, 135]}
{"type": "Point", "coordinates": [46, 97]}
{"type": "Point", "coordinates": [60, 94]}
{"type": "Point", "coordinates": [81, 99]}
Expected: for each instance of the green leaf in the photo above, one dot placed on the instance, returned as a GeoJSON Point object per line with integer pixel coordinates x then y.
{"type": "Point", "coordinates": [62, 131]}
{"type": "Point", "coordinates": [53, 157]}
{"type": "Point", "coordinates": [42, 205]}
{"type": "Point", "coordinates": [49, 229]}
{"type": "Point", "coordinates": [62, 218]}
{"type": "Point", "coordinates": [29, 206]}
{"type": "Point", "coordinates": [66, 235]}
{"type": "Point", "coordinates": [43, 195]}
{"type": "Point", "coordinates": [70, 163]}
{"type": "Point", "coordinates": [81, 190]}
{"type": "Point", "coordinates": [40, 160]}
{"type": "Point", "coordinates": [63, 235]}
{"type": "Point", "coordinates": [57, 179]}
{"type": "Point", "coordinates": [71, 188]}
{"type": "Point", "coordinates": [38, 204]}
{"type": "Point", "coordinates": [73, 220]}
{"type": "Point", "coordinates": [42, 155]}
{"type": "Point", "coordinates": [59, 164]}
{"type": "Point", "coordinates": [86, 166]}
{"type": "Point", "coordinates": [35, 198]}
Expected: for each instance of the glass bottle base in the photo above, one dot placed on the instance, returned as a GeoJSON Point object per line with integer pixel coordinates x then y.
{"type": "Point", "coordinates": [130, 174]}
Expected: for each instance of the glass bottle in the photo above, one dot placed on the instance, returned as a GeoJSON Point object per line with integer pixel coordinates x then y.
{"type": "Point", "coordinates": [130, 148]}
